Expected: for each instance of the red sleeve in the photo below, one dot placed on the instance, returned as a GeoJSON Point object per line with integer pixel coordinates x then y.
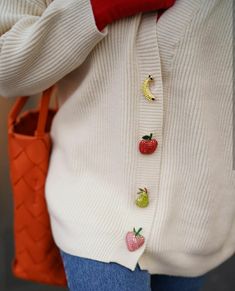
{"type": "Point", "coordinates": [107, 11]}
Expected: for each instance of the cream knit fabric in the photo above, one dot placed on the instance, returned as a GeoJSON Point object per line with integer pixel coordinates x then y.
{"type": "Point", "coordinates": [96, 167]}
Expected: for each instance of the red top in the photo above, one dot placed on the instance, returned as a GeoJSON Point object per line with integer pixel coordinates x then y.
{"type": "Point", "coordinates": [107, 11]}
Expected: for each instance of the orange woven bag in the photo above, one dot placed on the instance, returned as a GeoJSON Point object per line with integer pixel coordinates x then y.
{"type": "Point", "coordinates": [36, 258]}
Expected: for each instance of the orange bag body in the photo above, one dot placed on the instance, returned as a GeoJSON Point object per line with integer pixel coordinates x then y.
{"type": "Point", "coordinates": [36, 258]}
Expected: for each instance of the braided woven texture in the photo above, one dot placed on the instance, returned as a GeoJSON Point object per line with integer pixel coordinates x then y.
{"type": "Point", "coordinates": [37, 257]}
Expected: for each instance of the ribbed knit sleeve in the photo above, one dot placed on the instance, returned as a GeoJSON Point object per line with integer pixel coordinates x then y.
{"type": "Point", "coordinates": [42, 41]}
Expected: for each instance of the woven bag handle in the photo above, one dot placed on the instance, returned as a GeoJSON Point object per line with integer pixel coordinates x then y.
{"type": "Point", "coordinates": [43, 109]}
{"type": "Point", "coordinates": [44, 105]}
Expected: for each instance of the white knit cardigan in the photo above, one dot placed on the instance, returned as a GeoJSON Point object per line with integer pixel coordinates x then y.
{"type": "Point", "coordinates": [96, 168]}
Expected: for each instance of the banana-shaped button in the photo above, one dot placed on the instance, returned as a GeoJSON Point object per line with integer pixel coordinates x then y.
{"type": "Point", "coordinates": [146, 90]}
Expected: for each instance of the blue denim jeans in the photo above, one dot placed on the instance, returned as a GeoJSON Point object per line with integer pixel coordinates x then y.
{"type": "Point", "coordinates": [85, 274]}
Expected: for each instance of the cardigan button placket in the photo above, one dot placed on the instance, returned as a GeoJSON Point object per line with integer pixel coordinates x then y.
{"type": "Point", "coordinates": [146, 146]}
{"type": "Point", "coordinates": [150, 122]}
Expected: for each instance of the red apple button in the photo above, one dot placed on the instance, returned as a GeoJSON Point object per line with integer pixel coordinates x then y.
{"type": "Point", "coordinates": [148, 145]}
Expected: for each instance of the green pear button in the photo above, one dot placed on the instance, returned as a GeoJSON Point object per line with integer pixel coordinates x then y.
{"type": "Point", "coordinates": [143, 199]}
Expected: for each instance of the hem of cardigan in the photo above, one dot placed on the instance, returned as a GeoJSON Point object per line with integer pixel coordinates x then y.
{"type": "Point", "coordinates": [103, 248]}
{"type": "Point", "coordinates": [187, 265]}
{"type": "Point", "coordinates": [107, 248]}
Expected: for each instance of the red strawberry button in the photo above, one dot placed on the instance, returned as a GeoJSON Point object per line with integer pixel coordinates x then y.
{"type": "Point", "coordinates": [148, 145]}
{"type": "Point", "coordinates": [134, 239]}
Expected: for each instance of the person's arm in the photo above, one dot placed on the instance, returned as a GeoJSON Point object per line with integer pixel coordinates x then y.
{"type": "Point", "coordinates": [108, 11]}
{"type": "Point", "coordinates": [42, 41]}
